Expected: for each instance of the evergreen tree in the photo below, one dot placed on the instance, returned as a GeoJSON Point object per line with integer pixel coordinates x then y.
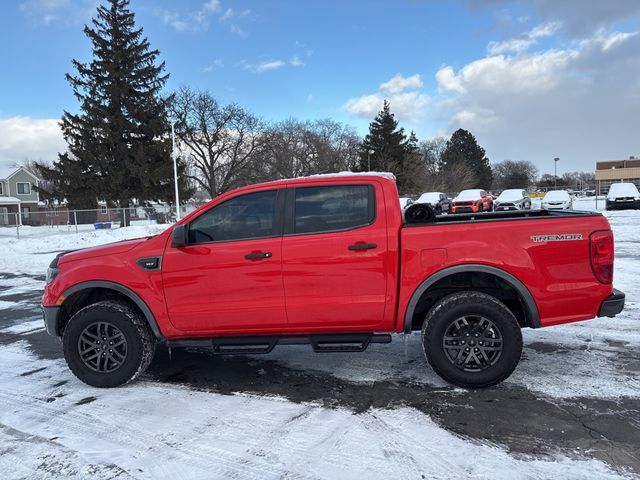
{"type": "Point", "coordinates": [385, 146]}
{"type": "Point", "coordinates": [463, 149]}
{"type": "Point", "coordinates": [118, 144]}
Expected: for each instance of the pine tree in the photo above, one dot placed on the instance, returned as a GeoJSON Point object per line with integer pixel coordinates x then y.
{"type": "Point", "coordinates": [463, 149]}
{"type": "Point", "coordinates": [384, 147]}
{"type": "Point", "coordinates": [118, 144]}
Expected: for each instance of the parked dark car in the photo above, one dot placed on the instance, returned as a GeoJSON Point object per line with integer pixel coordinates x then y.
{"type": "Point", "coordinates": [438, 200]}
{"type": "Point", "coordinates": [512, 199]}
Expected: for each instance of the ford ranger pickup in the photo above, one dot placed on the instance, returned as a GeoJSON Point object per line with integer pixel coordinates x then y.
{"type": "Point", "coordinates": [331, 261]}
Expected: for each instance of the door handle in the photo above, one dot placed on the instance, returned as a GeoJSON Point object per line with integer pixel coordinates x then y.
{"type": "Point", "coordinates": [362, 246]}
{"type": "Point", "coordinates": [258, 255]}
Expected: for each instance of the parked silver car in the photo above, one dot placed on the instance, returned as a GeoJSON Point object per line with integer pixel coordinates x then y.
{"type": "Point", "coordinates": [512, 199]}
{"type": "Point", "coordinates": [557, 200]}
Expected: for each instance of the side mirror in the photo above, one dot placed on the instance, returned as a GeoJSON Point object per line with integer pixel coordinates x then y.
{"type": "Point", "coordinates": [179, 236]}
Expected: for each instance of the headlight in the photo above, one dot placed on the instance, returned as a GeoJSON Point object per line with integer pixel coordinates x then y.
{"type": "Point", "coordinates": [52, 273]}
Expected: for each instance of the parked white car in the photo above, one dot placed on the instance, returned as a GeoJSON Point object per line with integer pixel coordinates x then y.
{"type": "Point", "coordinates": [405, 202]}
{"type": "Point", "coordinates": [557, 200]}
{"type": "Point", "coordinates": [512, 199]}
{"type": "Point", "coordinates": [438, 200]}
{"type": "Point", "coordinates": [623, 195]}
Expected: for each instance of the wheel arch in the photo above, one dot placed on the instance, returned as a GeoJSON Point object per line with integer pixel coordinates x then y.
{"type": "Point", "coordinates": [102, 285]}
{"type": "Point", "coordinates": [528, 303]}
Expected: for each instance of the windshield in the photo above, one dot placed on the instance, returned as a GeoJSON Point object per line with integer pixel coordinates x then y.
{"type": "Point", "coordinates": [510, 195]}
{"type": "Point", "coordinates": [469, 195]}
{"type": "Point", "coordinates": [623, 190]}
{"type": "Point", "coordinates": [429, 197]}
{"type": "Point", "coordinates": [556, 196]}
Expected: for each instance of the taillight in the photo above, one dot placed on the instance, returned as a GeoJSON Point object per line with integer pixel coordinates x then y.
{"type": "Point", "coordinates": [601, 246]}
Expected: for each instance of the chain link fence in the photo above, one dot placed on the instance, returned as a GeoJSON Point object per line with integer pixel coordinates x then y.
{"type": "Point", "coordinates": [47, 221]}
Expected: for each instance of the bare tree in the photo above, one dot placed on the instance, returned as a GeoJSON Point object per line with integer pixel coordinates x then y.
{"type": "Point", "coordinates": [514, 174]}
{"type": "Point", "coordinates": [294, 148]}
{"type": "Point", "coordinates": [219, 141]}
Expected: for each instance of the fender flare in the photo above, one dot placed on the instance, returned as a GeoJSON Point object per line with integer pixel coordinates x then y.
{"type": "Point", "coordinates": [127, 292]}
{"type": "Point", "coordinates": [529, 302]}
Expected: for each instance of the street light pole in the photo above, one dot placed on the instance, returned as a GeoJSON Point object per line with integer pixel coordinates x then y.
{"type": "Point", "coordinates": [555, 173]}
{"type": "Point", "coordinates": [175, 167]}
{"type": "Point", "coordinates": [369, 152]}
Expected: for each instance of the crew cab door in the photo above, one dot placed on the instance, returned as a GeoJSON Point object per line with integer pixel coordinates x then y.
{"type": "Point", "coordinates": [228, 279]}
{"type": "Point", "coordinates": [335, 257]}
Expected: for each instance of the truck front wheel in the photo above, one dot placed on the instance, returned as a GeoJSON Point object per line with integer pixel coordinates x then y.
{"type": "Point", "coordinates": [107, 344]}
{"type": "Point", "coordinates": [471, 340]}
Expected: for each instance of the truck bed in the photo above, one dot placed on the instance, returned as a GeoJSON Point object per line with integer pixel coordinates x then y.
{"type": "Point", "coordinates": [501, 216]}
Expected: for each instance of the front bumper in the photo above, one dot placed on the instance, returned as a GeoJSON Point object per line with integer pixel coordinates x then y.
{"type": "Point", "coordinates": [615, 205]}
{"type": "Point", "coordinates": [51, 323]}
{"type": "Point", "coordinates": [612, 305]}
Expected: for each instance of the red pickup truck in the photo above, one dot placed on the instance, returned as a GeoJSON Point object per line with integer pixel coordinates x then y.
{"type": "Point", "coordinates": [329, 261]}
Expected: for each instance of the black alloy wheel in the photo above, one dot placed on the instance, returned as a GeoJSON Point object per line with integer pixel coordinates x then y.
{"type": "Point", "coordinates": [102, 347]}
{"type": "Point", "coordinates": [472, 343]}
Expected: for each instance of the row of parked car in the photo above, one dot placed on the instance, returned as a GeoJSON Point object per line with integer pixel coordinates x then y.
{"type": "Point", "coordinates": [473, 201]}
{"type": "Point", "coordinates": [621, 195]}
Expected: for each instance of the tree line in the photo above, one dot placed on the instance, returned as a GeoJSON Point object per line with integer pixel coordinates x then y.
{"type": "Point", "coordinates": [119, 144]}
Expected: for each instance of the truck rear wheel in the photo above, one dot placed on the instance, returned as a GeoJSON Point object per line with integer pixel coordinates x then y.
{"type": "Point", "coordinates": [471, 340]}
{"type": "Point", "coordinates": [107, 344]}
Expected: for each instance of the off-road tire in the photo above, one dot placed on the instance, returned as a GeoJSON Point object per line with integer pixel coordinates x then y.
{"type": "Point", "coordinates": [140, 343]}
{"type": "Point", "coordinates": [440, 319]}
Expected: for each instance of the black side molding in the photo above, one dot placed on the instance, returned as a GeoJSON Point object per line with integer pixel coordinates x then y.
{"type": "Point", "coordinates": [612, 305]}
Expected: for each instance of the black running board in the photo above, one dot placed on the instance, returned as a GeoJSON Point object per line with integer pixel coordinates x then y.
{"type": "Point", "coordinates": [340, 342]}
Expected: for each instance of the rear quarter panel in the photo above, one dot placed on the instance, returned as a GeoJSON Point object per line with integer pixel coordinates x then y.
{"type": "Point", "coordinates": [558, 274]}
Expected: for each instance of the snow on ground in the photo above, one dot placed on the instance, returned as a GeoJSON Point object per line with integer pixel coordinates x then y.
{"type": "Point", "coordinates": [37, 246]}
{"type": "Point", "coordinates": [153, 430]}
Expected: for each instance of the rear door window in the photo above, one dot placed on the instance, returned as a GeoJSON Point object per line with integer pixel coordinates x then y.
{"type": "Point", "coordinates": [333, 208]}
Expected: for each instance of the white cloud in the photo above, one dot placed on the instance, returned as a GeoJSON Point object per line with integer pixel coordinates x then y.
{"type": "Point", "coordinates": [403, 93]}
{"type": "Point", "coordinates": [59, 12]}
{"type": "Point", "coordinates": [217, 63]}
{"type": "Point", "coordinates": [25, 137]}
{"type": "Point", "coordinates": [309, 98]}
{"type": "Point", "coordinates": [399, 83]}
{"type": "Point", "coordinates": [524, 74]}
{"type": "Point", "coordinates": [525, 40]}
{"type": "Point", "coordinates": [262, 67]}
{"type": "Point", "coordinates": [237, 30]}
{"type": "Point", "coordinates": [296, 62]}
{"type": "Point", "coordinates": [578, 101]}
{"type": "Point", "coordinates": [191, 21]}
{"type": "Point", "coordinates": [230, 13]}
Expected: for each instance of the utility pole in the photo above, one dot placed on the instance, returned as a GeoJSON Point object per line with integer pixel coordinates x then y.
{"type": "Point", "coordinates": [555, 173]}
{"type": "Point", "coordinates": [175, 167]}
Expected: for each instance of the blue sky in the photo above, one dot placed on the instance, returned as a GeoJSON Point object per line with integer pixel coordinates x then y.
{"type": "Point", "coordinates": [532, 80]}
